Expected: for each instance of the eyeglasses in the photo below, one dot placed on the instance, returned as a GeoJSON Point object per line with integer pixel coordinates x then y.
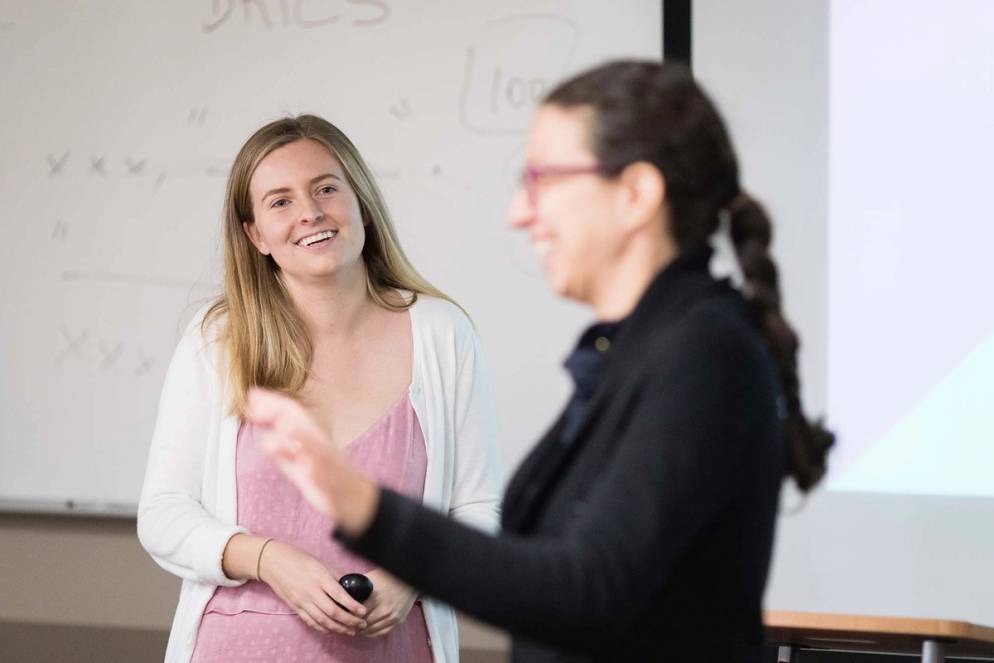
{"type": "Point", "coordinates": [531, 175]}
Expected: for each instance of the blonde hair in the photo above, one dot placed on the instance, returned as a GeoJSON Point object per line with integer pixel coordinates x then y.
{"type": "Point", "coordinates": [264, 337]}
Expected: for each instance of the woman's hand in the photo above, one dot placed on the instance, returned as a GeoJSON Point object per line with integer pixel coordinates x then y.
{"type": "Point", "coordinates": [304, 453]}
{"type": "Point", "coordinates": [310, 589]}
{"type": "Point", "coordinates": [388, 605]}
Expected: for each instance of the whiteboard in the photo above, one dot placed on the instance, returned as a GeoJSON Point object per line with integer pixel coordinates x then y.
{"type": "Point", "coordinates": [119, 121]}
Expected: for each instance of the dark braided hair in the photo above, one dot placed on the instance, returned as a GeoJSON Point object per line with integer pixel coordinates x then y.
{"type": "Point", "coordinates": [656, 113]}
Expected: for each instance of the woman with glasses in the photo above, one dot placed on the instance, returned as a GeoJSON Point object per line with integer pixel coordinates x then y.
{"type": "Point", "coordinates": [640, 527]}
{"type": "Point", "coordinates": [319, 303]}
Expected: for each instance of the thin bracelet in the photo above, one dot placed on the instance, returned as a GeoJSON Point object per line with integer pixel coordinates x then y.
{"type": "Point", "coordinates": [258, 562]}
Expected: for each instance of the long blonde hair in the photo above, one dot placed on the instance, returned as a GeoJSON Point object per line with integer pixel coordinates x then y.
{"type": "Point", "coordinates": [265, 339]}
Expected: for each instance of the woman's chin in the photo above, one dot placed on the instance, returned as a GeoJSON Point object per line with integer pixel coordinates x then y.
{"type": "Point", "coordinates": [324, 269]}
{"type": "Point", "coordinates": [559, 285]}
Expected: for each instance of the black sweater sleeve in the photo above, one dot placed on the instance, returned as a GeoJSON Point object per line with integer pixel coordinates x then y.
{"type": "Point", "coordinates": [674, 471]}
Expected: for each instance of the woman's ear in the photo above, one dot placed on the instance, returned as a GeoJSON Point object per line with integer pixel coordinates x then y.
{"type": "Point", "coordinates": [643, 193]}
{"type": "Point", "coordinates": [252, 232]}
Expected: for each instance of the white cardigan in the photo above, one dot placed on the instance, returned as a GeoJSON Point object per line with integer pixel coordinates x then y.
{"type": "Point", "coordinates": [187, 509]}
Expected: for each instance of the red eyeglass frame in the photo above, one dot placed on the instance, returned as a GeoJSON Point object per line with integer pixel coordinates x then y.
{"type": "Point", "coordinates": [530, 176]}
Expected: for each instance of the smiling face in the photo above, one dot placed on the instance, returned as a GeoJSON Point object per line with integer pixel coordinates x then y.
{"type": "Point", "coordinates": [306, 215]}
{"type": "Point", "coordinates": [568, 216]}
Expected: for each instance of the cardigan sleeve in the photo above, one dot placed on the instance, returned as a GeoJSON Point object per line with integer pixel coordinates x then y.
{"type": "Point", "coordinates": [674, 471]}
{"type": "Point", "coordinates": [478, 475]}
{"type": "Point", "coordinates": [173, 525]}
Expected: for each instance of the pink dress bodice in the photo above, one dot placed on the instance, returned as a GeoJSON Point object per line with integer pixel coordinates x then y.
{"type": "Point", "coordinates": [249, 622]}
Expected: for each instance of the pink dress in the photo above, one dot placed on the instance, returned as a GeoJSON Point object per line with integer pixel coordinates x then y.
{"type": "Point", "coordinates": [250, 623]}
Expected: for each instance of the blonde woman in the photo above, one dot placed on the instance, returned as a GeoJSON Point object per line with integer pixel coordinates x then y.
{"type": "Point", "coordinates": [320, 303]}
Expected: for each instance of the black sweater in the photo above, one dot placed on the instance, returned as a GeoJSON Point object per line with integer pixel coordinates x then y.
{"type": "Point", "coordinates": [645, 535]}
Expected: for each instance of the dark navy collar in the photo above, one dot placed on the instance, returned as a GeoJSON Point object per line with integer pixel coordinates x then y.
{"type": "Point", "coordinates": [587, 361]}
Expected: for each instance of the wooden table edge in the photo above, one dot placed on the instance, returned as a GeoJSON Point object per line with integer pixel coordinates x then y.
{"type": "Point", "coordinates": [870, 624]}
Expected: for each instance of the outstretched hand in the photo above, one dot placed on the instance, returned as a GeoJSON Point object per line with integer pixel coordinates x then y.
{"type": "Point", "coordinates": [308, 458]}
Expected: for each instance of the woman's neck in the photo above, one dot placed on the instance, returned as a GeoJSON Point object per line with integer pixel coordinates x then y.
{"type": "Point", "coordinates": [335, 306]}
{"type": "Point", "coordinates": [617, 291]}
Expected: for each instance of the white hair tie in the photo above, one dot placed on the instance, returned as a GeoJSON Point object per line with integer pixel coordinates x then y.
{"type": "Point", "coordinates": [724, 259]}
